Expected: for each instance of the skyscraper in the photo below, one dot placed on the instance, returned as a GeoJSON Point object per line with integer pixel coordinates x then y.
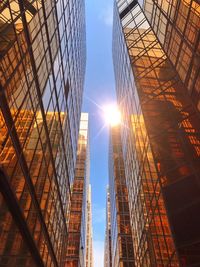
{"type": "Point", "coordinates": [161, 128]}
{"type": "Point", "coordinates": [89, 241]}
{"type": "Point", "coordinates": [42, 66]}
{"type": "Point", "coordinates": [119, 243]}
{"type": "Point", "coordinates": [178, 31]}
{"type": "Point", "coordinates": [107, 244]}
{"type": "Point", "coordinates": [79, 245]}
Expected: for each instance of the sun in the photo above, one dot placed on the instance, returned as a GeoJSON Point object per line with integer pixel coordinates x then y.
{"type": "Point", "coordinates": [112, 115]}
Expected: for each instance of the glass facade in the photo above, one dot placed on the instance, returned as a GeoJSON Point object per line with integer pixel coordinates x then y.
{"type": "Point", "coordinates": [177, 25]}
{"type": "Point", "coordinates": [120, 229]}
{"type": "Point", "coordinates": [42, 66]}
{"type": "Point", "coordinates": [160, 142]}
{"type": "Point", "coordinates": [78, 227]}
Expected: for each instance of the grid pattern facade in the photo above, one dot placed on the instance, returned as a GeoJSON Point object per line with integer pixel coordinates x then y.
{"type": "Point", "coordinates": [77, 235]}
{"type": "Point", "coordinates": [120, 228]}
{"type": "Point", "coordinates": [161, 144]}
{"type": "Point", "coordinates": [42, 65]}
{"type": "Point", "coordinates": [177, 25]}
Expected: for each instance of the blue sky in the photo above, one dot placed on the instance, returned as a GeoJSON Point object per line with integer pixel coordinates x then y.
{"type": "Point", "coordinates": [99, 87]}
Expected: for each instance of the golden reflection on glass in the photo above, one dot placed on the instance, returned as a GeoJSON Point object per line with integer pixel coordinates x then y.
{"type": "Point", "coordinates": [166, 158]}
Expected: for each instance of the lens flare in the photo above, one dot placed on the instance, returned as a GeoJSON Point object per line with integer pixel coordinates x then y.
{"type": "Point", "coordinates": [112, 115]}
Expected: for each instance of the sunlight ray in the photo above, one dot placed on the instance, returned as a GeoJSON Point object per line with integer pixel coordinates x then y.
{"type": "Point", "coordinates": [100, 131]}
{"type": "Point", "coordinates": [92, 101]}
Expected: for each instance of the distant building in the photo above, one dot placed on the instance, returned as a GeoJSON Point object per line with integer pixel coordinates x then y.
{"type": "Point", "coordinates": [107, 244]}
{"type": "Point", "coordinates": [119, 243]}
{"type": "Point", "coordinates": [157, 77]}
{"type": "Point", "coordinates": [89, 241]}
{"type": "Point", "coordinates": [79, 245]}
{"type": "Point", "coordinates": [42, 67]}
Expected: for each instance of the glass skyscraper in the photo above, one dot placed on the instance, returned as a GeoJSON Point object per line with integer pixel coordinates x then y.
{"type": "Point", "coordinates": [79, 245]}
{"type": "Point", "coordinates": [156, 60]}
{"type": "Point", "coordinates": [119, 243]}
{"type": "Point", "coordinates": [42, 66]}
{"type": "Point", "coordinates": [178, 31]}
